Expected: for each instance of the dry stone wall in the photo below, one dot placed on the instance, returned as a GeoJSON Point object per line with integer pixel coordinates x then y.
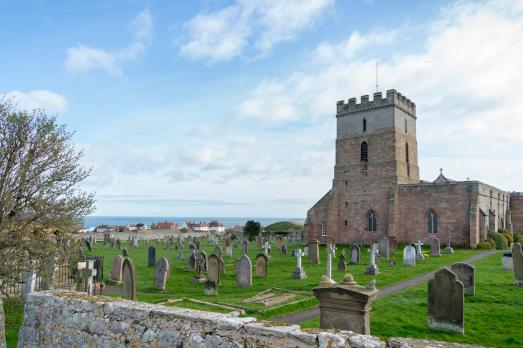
{"type": "Point", "coordinates": [72, 319]}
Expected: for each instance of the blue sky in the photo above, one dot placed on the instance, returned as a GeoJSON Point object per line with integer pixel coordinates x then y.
{"type": "Point", "coordinates": [226, 108]}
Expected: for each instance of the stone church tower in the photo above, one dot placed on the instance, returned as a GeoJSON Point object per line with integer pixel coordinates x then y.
{"type": "Point", "coordinates": [377, 191]}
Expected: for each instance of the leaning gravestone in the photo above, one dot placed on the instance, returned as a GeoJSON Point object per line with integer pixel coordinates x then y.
{"type": "Point", "coordinates": [354, 255]}
{"type": "Point", "coordinates": [314, 252]}
{"type": "Point", "coordinates": [116, 271]}
{"type": "Point", "coordinates": [466, 275]}
{"type": "Point", "coordinates": [517, 259]}
{"type": "Point", "coordinates": [261, 265]}
{"type": "Point", "coordinates": [160, 273]}
{"type": "Point", "coordinates": [151, 256]}
{"type": "Point", "coordinates": [244, 272]}
{"type": "Point", "coordinates": [409, 256]}
{"type": "Point", "coordinates": [445, 302]}
{"type": "Point", "coordinates": [213, 268]}
{"type": "Point", "coordinates": [435, 247]}
{"type": "Point", "coordinates": [128, 280]}
{"type": "Point", "coordinates": [383, 248]}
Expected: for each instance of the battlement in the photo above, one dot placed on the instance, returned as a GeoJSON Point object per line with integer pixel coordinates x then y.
{"type": "Point", "coordinates": [393, 98]}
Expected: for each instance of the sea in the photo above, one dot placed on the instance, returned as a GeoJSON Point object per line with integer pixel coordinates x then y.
{"type": "Point", "coordinates": [94, 221]}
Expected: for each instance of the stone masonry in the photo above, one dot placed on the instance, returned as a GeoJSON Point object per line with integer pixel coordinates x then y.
{"type": "Point", "coordinates": [71, 319]}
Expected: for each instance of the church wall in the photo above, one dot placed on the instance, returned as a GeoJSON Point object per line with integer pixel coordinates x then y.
{"type": "Point", "coordinates": [322, 211]}
{"type": "Point", "coordinates": [516, 202]}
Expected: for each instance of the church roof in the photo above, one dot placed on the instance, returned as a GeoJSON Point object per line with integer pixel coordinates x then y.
{"type": "Point", "coordinates": [442, 179]}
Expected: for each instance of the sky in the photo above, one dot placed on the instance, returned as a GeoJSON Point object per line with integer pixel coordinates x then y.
{"type": "Point", "coordinates": [227, 108]}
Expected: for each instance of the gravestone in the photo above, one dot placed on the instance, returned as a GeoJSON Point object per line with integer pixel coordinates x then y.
{"type": "Point", "coordinates": [211, 288]}
{"type": "Point", "coordinates": [222, 266]}
{"type": "Point", "coordinates": [151, 256]}
{"type": "Point", "coordinates": [245, 247]}
{"type": "Point", "coordinates": [204, 260]}
{"type": "Point", "coordinates": [244, 272]}
{"type": "Point", "coordinates": [125, 253]}
{"type": "Point", "coordinates": [218, 250]}
{"type": "Point", "coordinates": [29, 285]}
{"type": "Point", "coordinates": [128, 280]}
{"type": "Point", "coordinates": [448, 249]}
{"type": "Point", "coordinates": [213, 269]}
{"type": "Point", "coordinates": [383, 248]}
{"type": "Point", "coordinates": [314, 252]}
{"type": "Point", "coordinates": [466, 275]}
{"type": "Point", "coordinates": [88, 245]}
{"type": "Point", "coordinates": [419, 250]}
{"type": "Point", "coordinates": [116, 271]}
{"type": "Point", "coordinates": [160, 273]}
{"type": "Point", "coordinates": [261, 265]}
{"type": "Point", "coordinates": [191, 262]}
{"type": "Point", "coordinates": [445, 302]}
{"type": "Point", "coordinates": [228, 251]}
{"type": "Point", "coordinates": [331, 249]}
{"type": "Point", "coordinates": [354, 255]}
{"type": "Point", "coordinates": [435, 247]}
{"type": "Point", "coordinates": [342, 265]}
{"type": "Point", "coordinates": [283, 249]}
{"type": "Point", "coordinates": [409, 256]}
{"type": "Point", "coordinates": [299, 273]}
{"type": "Point", "coordinates": [506, 262]}
{"type": "Point", "coordinates": [372, 268]}
{"type": "Point", "coordinates": [517, 259]}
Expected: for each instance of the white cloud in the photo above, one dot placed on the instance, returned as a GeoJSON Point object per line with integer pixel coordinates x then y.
{"type": "Point", "coordinates": [38, 99]}
{"type": "Point", "coordinates": [82, 58]}
{"type": "Point", "coordinates": [466, 81]}
{"type": "Point", "coordinates": [228, 32]}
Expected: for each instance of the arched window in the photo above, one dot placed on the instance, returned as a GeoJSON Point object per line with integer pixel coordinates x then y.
{"type": "Point", "coordinates": [405, 125]}
{"type": "Point", "coordinates": [323, 228]}
{"type": "Point", "coordinates": [372, 224]}
{"type": "Point", "coordinates": [432, 222]}
{"type": "Point", "coordinates": [364, 156]}
{"type": "Point", "coordinates": [364, 125]}
{"type": "Point", "coordinates": [407, 152]}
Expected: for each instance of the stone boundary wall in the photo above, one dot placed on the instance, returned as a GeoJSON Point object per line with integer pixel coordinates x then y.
{"type": "Point", "coordinates": [72, 319]}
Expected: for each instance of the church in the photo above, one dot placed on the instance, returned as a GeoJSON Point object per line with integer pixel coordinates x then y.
{"type": "Point", "coordinates": [377, 192]}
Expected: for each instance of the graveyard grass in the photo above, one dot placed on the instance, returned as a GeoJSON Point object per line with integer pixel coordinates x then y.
{"type": "Point", "coordinates": [14, 314]}
{"type": "Point", "coordinates": [280, 267]}
{"type": "Point", "coordinates": [492, 316]}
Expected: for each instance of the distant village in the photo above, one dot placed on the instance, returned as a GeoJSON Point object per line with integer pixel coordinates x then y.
{"type": "Point", "coordinates": [212, 226]}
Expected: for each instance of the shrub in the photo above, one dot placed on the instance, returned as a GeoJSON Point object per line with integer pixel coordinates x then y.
{"type": "Point", "coordinates": [518, 237]}
{"type": "Point", "coordinates": [508, 237]}
{"type": "Point", "coordinates": [499, 240]}
{"type": "Point", "coordinates": [503, 230]}
{"type": "Point", "coordinates": [485, 245]}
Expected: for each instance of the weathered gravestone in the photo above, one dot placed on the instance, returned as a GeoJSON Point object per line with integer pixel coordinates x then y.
{"type": "Point", "coordinates": [160, 273]}
{"type": "Point", "coordinates": [244, 272]}
{"type": "Point", "coordinates": [383, 248]}
{"type": "Point", "coordinates": [466, 275]}
{"type": "Point", "coordinates": [204, 260]}
{"type": "Point", "coordinates": [128, 280]}
{"type": "Point", "coordinates": [314, 252]}
{"type": "Point", "coordinates": [354, 255]}
{"type": "Point", "coordinates": [261, 265]}
{"type": "Point", "coordinates": [372, 268]}
{"type": "Point", "coordinates": [506, 262]}
{"type": "Point", "coordinates": [218, 250]}
{"type": "Point", "coordinates": [125, 253]}
{"type": "Point", "coordinates": [245, 247]}
{"type": "Point", "coordinates": [517, 259]}
{"type": "Point", "coordinates": [342, 265]}
{"type": "Point", "coordinates": [213, 269]}
{"type": "Point", "coordinates": [435, 247]}
{"type": "Point", "coordinates": [191, 262]}
{"type": "Point", "coordinates": [409, 256]}
{"type": "Point", "coordinates": [299, 273]}
{"type": "Point", "coordinates": [116, 270]}
{"type": "Point", "coordinates": [419, 250]}
{"type": "Point", "coordinates": [151, 256]}
{"type": "Point", "coordinates": [283, 249]}
{"type": "Point", "coordinates": [445, 302]}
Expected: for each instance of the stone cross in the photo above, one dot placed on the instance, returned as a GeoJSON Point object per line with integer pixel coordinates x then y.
{"type": "Point", "coordinates": [419, 253]}
{"type": "Point", "coordinates": [372, 268]}
{"type": "Point", "coordinates": [89, 273]}
{"type": "Point", "coordinates": [299, 273]}
{"type": "Point", "coordinates": [331, 249]}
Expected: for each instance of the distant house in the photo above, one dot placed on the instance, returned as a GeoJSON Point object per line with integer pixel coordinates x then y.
{"type": "Point", "coordinates": [164, 225]}
{"type": "Point", "coordinates": [212, 226]}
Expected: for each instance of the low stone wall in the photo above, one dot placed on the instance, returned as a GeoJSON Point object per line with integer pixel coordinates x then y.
{"type": "Point", "coordinates": [72, 319]}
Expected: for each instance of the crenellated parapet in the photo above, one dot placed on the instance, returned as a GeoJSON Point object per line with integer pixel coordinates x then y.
{"type": "Point", "coordinates": [393, 99]}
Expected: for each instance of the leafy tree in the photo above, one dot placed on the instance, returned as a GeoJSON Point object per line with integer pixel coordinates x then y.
{"type": "Point", "coordinates": [40, 202]}
{"type": "Point", "coordinates": [252, 229]}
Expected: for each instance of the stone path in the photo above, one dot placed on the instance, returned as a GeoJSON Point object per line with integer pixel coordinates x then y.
{"type": "Point", "coordinates": [297, 317]}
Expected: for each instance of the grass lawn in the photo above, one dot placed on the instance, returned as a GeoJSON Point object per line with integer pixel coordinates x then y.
{"type": "Point", "coordinates": [493, 317]}
{"type": "Point", "coordinates": [179, 283]}
{"type": "Point", "coordinates": [14, 315]}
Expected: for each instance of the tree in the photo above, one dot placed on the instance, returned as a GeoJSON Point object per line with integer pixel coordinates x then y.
{"type": "Point", "coordinates": [40, 202]}
{"type": "Point", "coordinates": [252, 229]}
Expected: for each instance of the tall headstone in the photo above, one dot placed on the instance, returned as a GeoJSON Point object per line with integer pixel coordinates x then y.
{"type": "Point", "coordinates": [372, 268]}
{"type": "Point", "coordinates": [517, 259]}
{"type": "Point", "coordinates": [244, 272]}
{"type": "Point", "coordinates": [342, 264]}
{"type": "Point", "coordinates": [448, 249]}
{"type": "Point", "coordinates": [151, 256]}
{"type": "Point", "coordinates": [160, 273]}
{"type": "Point", "coordinates": [331, 248]}
{"type": "Point", "coordinates": [445, 302]}
{"type": "Point", "coordinates": [345, 306]}
{"type": "Point", "coordinates": [409, 256]}
{"type": "Point", "coordinates": [419, 251]}
{"type": "Point", "coordinates": [191, 262]}
{"type": "Point", "coordinates": [314, 252]}
{"type": "Point", "coordinates": [128, 280]}
{"type": "Point", "coordinates": [383, 248]}
{"type": "Point", "coordinates": [261, 265]}
{"type": "Point", "coordinates": [466, 275]}
{"type": "Point", "coordinates": [435, 247]}
{"type": "Point", "coordinates": [354, 254]}
{"type": "Point", "coordinates": [213, 268]}
{"type": "Point", "coordinates": [116, 270]}
{"type": "Point", "coordinates": [299, 273]}
{"type": "Point", "coordinates": [245, 247]}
